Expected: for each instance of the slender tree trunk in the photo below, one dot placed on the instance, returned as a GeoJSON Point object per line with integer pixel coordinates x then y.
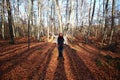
{"type": "Point", "coordinates": [3, 27]}
{"type": "Point", "coordinates": [59, 16]}
{"type": "Point", "coordinates": [90, 11]}
{"type": "Point", "coordinates": [90, 23]}
{"type": "Point", "coordinates": [87, 33]}
{"type": "Point", "coordinates": [67, 11]}
{"type": "Point", "coordinates": [106, 23]}
{"type": "Point", "coordinates": [76, 13]}
{"type": "Point", "coordinates": [98, 19]}
{"type": "Point", "coordinates": [48, 29]}
{"type": "Point", "coordinates": [29, 17]}
{"type": "Point", "coordinates": [112, 24]}
{"type": "Point", "coordinates": [72, 16]}
{"type": "Point", "coordinates": [81, 14]}
{"type": "Point", "coordinates": [54, 17]}
{"type": "Point", "coordinates": [18, 17]}
{"type": "Point", "coordinates": [103, 24]}
{"type": "Point", "coordinates": [93, 12]}
{"type": "Point", "coordinates": [39, 18]}
{"type": "Point", "coordinates": [10, 22]}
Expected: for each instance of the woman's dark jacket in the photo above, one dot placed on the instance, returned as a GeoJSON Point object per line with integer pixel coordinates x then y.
{"type": "Point", "coordinates": [60, 42]}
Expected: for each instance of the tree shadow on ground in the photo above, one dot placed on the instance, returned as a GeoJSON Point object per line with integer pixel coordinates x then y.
{"type": "Point", "coordinates": [17, 59]}
{"type": "Point", "coordinates": [12, 50]}
{"type": "Point", "coordinates": [78, 67]}
{"type": "Point", "coordinates": [60, 71]}
{"type": "Point", "coordinates": [37, 72]}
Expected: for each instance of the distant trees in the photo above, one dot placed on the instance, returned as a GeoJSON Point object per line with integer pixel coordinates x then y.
{"type": "Point", "coordinates": [49, 17]}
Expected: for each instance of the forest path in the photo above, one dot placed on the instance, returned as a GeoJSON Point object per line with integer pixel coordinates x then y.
{"type": "Point", "coordinates": [41, 62]}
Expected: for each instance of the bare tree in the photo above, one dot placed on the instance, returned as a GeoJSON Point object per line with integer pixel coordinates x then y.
{"type": "Point", "coordinates": [10, 22]}
{"type": "Point", "coordinates": [76, 13]}
{"type": "Point", "coordinates": [48, 27]}
{"type": "Point", "coordinates": [59, 16]}
{"type": "Point", "coordinates": [106, 22]}
{"type": "Point", "coordinates": [3, 27]}
{"type": "Point", "coordinates": [112, 23]}
{"type": "Point", "coordinates": [39, 18]}
{"type": "Point", "coordinates": [67, 11]}
{"type": "Point", "coordinates": [29, 17]}
{"type": "Point", "coordinates": [91, 20]}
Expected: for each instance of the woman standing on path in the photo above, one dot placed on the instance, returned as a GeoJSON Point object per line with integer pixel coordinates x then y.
{"type": "Point", "coordinates": [60, 41]}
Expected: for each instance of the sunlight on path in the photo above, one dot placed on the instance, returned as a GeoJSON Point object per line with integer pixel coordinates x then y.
{"type": "Point", "coordinates": [58, 69]}
{"type": "Point", "coordinates": [52, 66]}
{"type": "Point", "coordinates": [69, 74]}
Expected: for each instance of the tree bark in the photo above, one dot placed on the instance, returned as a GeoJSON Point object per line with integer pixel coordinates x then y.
{"type": "Point", "coordinates": [59, 16]}
{"type": "Point", "coordinates": [91, 20]}
{"type": "Point", "coordinates": [29, 17]}
{"type": "Point", "coordinates": [106, 23]}
{"type": "Point", "coordinates": [112, 23]}
{"type": "Point", "coordinates": [3, 27]}
{"type": "Point", "coordinates": [76, 13]}
{"type": "Point", "coordinates": [10, 22]}
{"type": "Point", "coordinates": [39, 18]}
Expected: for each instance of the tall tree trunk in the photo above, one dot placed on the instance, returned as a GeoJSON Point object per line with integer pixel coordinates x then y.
{"type": "Point", "coordinates": [52, 19]}
{"type": "Point", "coordinates": [67, 11]}
{"type": "Point", "coordinates": [10, 22]}
{"type": "Point", "coordinates": [77, 13]}
{"type": "Point", "coordinates": [93, 12]}
{"type": "Point", "coordinates": [90, 23]}
{"type": "Point", "coordinates": [3, 27]}
{"type": "Point", "coordinates": [54, 16]}
{"type": "Point", "coordinates": [29, 17]}
{"type": "Point", "coordinates": [112, 24]}
{"type": "Point", "coordinates": [18, 18]}
{"type": "Point", "coordinates": [59, 16]}
{"type": "Point", "coordinates": [39, 18]}
{"type": "Point", "coordinates": [32, 12]}
{"type": "Point", "coordinates": [48, 19]}
{"type": "Point", "coordinates": [106, 23]}
{"type": "Point", "coordinates": [98, 19]}
{"type": "Point", "coordinates": [87, 33]}
{"type": "Point", "coordinates": [32, 17]}
{"type": "Point", "coordinates": [81, 14]}
{"type": "Point", "coordinates": [71, 17]}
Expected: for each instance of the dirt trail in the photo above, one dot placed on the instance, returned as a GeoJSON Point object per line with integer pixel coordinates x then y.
{"type": "Point", "coordinates": [41, 62]}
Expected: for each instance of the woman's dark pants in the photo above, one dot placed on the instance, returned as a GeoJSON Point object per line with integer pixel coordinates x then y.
{"type": "Point", "coordinates": [60, 49]}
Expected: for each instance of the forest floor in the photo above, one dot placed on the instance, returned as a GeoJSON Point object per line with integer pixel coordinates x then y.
{"type": "Point", "coordinates": [41, 62]}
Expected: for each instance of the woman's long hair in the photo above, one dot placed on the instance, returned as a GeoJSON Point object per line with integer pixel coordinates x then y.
{"type": "Point", "coordinates": [60, 35]}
